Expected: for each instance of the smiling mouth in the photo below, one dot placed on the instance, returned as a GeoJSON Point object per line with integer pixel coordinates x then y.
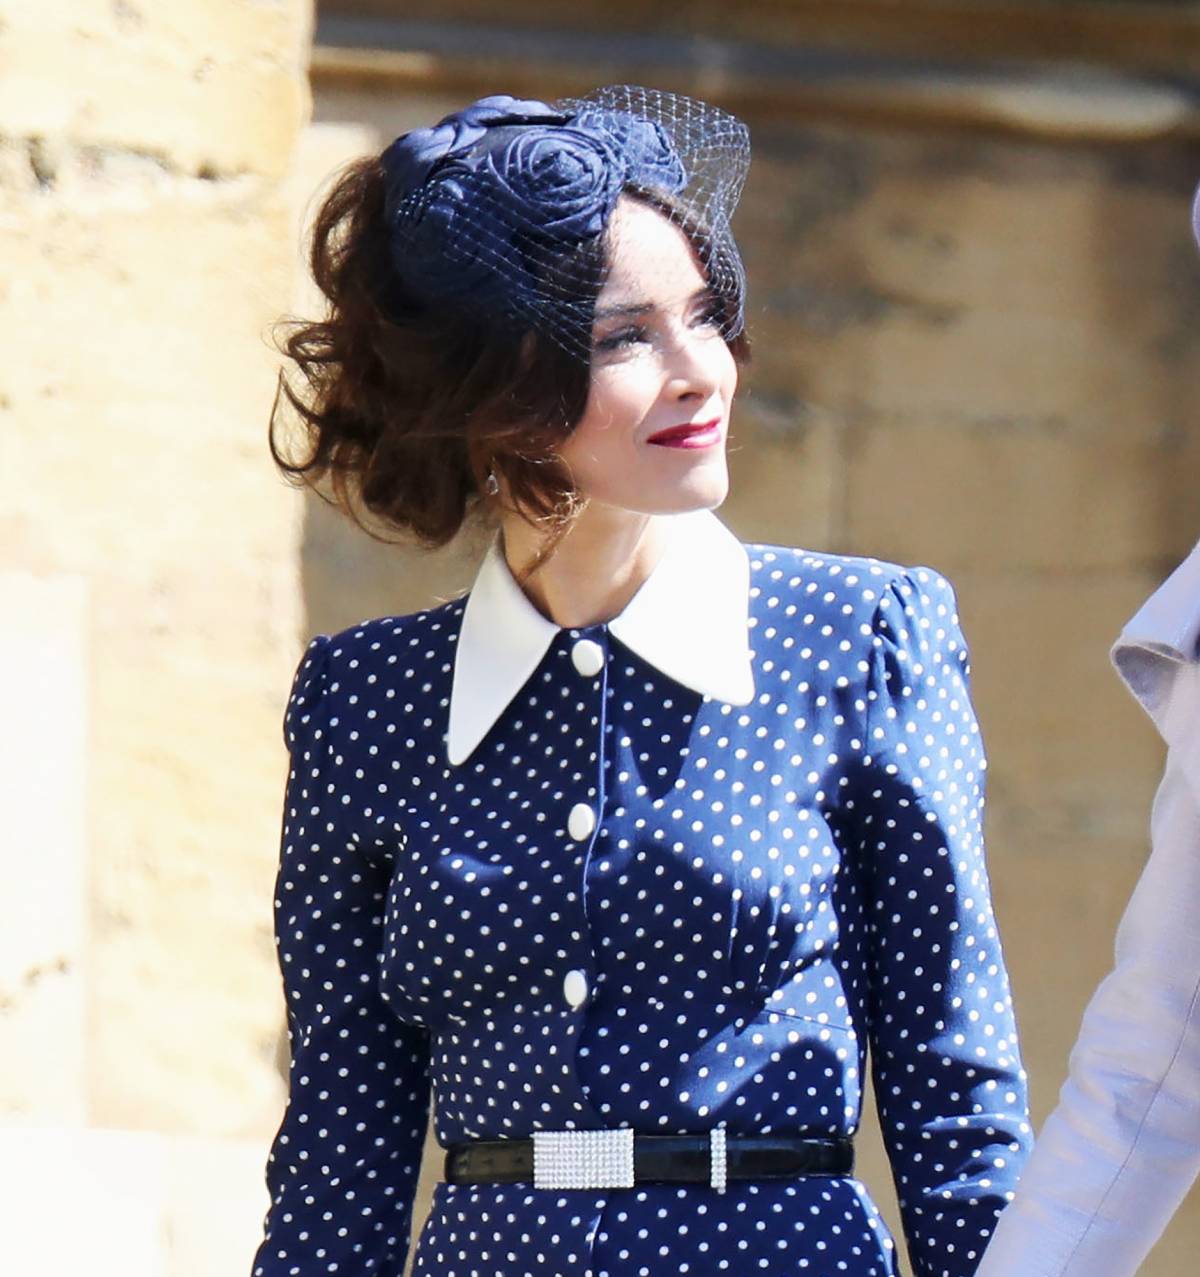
{"type": "Point", "coordinates": [692, 434]}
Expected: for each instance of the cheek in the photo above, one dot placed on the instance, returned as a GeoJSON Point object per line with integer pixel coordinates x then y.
{"type": "Point", "coordinates": [616, 406]}
{"type": "Point", "coordinates": [729, 380]}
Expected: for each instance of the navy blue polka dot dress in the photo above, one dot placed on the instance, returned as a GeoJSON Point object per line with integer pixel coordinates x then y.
{"type": "Point", "coordinates": [685, 870]}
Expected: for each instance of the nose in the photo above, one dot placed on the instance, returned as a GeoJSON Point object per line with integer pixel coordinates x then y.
{"type": "Point", "coordinates": [692, 365]}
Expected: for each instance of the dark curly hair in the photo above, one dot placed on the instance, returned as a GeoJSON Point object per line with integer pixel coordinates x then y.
{"type": "Point", "coordinates": [405, 409]}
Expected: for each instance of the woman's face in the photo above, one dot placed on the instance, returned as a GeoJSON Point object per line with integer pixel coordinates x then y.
{"type": "Point", "coordinates": [652, 437]}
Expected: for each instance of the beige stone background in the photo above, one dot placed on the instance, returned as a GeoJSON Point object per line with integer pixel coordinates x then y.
{"type": "Point", "coordinates": [976, 313]}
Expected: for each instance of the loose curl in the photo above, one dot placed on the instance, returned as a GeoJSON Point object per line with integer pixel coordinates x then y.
{"type": "Point", "coordinates": [405, 409]}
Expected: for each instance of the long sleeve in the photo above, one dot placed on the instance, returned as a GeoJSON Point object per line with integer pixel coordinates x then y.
{"type": "Point", "coordinates": [948, 1080]}
{"type": "Point", "coordinates": [1122, 1148]}
{"type": "Point", "coordinates": [343, 1167]}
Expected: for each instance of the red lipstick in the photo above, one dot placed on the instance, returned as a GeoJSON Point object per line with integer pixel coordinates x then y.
{"type": "Point", "coordinates": [691, 434]}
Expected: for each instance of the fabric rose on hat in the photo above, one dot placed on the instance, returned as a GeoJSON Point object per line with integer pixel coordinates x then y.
{"type": "Point", "coordinates": [476, 222]}
{"type": "Point", "coordinates": [651, 159]}
{"type": "Point", "coordinates": [412, 157]}
{"type": "Point", "coordinates": [556, 184]}
{"type": "Point", "coordinates": [483, 206]}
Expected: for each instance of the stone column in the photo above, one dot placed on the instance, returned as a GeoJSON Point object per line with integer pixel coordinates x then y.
{"type": "Point", "coordinates": [43, 776]}
{"type": "Point", "coordinates": [145, 249]}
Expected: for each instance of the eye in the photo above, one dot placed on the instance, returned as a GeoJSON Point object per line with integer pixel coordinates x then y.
{"type": "Point", "coordinates": [622, 338]}
{"type": "Point", "coordinates": [709, 313]}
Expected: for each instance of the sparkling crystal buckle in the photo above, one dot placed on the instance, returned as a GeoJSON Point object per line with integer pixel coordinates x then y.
{"type": "Point", "coordinates": [718, 1173]}
{"type": "Point", "coordinates": [583, 1159]}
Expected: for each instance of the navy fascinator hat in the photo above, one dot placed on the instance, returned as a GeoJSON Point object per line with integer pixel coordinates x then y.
{"type": "Point", "coordinates": [499, 210]}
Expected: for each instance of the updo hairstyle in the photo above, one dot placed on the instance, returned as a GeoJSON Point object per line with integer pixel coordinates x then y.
{"type": "Point", "coordinates": [397, 409]}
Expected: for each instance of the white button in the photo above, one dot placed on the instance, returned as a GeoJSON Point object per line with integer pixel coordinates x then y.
{"type": "Point", "coordinates": [581, 822]}
{"type": "Point", "coordinates": [588, 657]}
{"type": "Point", "coordinates": [575, 989]}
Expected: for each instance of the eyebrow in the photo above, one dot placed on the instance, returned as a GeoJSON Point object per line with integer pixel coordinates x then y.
{"type": "Point", "coordinates": [642, 308]}
{"type": "Point", "coordinates": [635, 308]}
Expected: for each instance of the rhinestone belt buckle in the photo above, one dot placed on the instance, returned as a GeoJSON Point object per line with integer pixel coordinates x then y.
{"type": "Point", "coordinates": [583, 1159]}
{"type": "Point", "coordinates": [718, 1159]}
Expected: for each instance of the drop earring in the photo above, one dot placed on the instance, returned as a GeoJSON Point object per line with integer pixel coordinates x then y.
{"type": "Point", "coordinates": [491, 485]}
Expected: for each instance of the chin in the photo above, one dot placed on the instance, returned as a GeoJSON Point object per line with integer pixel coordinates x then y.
{"type": "Point", "coordinates": [706, 489]}
{"type": "Point", "coordinates": [698, 492]}
{"type": "Point", "coordinates": [703, 488]}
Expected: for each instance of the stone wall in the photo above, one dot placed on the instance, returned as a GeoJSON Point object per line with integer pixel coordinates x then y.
{"type": "Point", "coordinates": [978, 352]}
{"type": "Point", "coordinates": [148, 559]}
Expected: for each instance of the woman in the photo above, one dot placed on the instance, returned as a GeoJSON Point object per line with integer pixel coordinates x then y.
{"type": "Point", "coordinates": [635, 850]}
{"type": "Point", "coordinates": [1123, 1147]}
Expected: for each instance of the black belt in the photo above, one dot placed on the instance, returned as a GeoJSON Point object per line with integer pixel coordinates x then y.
{"type": "Point", "coordinates": [666, 1159]}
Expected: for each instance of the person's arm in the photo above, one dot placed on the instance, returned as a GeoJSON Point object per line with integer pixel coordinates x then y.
{"type": "Point", "coordinates": [1122, 1148]}
{"type": "Point", "coordinates": [343, 1168]}
{"type": "Point", "coordinates": [949, 1085]}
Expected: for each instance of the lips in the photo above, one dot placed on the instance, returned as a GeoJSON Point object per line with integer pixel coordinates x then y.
{"type": "Point", "coordinates": [691, 434]}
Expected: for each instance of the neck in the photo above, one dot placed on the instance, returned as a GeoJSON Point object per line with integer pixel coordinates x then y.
{"type": "Point", "coordinates": [596, 569]}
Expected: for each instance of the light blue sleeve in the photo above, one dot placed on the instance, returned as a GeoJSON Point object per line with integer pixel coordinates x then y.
{"type": "Point", "coordinates": [1121, 1150]}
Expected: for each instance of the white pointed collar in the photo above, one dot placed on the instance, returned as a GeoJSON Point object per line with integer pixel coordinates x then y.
{"type": "Point", "coordinates": [1163, 636]}
{"type": "Point", "coordinates": [689, 619]}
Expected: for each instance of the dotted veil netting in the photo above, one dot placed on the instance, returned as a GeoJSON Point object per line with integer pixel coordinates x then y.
{"type": "Point", "coordinates": [503, 211]}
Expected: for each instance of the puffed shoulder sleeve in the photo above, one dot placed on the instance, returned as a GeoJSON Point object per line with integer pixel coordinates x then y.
{"type": "Point", "coordinates": [343, 1167]}
{"type": "Point", "coordinates": [949, 1085]}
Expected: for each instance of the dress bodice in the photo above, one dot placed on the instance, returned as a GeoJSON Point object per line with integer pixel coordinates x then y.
{"type": "Point", "coordinates": [635, 904]}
